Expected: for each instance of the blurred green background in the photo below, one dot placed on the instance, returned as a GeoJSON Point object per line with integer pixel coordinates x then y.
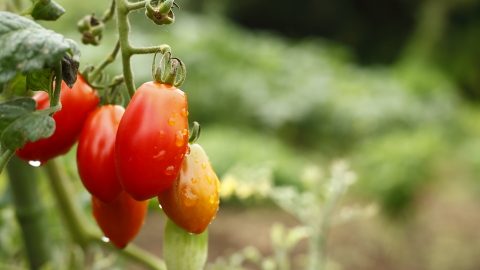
{"type": "Point", "coordinates": [391, 86]}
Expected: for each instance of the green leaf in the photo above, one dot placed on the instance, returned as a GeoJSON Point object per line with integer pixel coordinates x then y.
{"type": "Point", "coordinates": [27, 46]}
{"type": "Point", "coordinates": [47, 10]}
{"type": "Point", "coordinates": [13, 109]}
{"type": "Point", "coordinates": [40, 80]}
{"type": "Point", "coordinates": [15, 87]}
{"type": "Point", "coordinates": [28, 128]}
{"type": "Point", "coordinates": [182, 250]}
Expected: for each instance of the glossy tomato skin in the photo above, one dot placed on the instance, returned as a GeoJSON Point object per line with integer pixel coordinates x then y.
{"type": "Point", "coordinates": [77, 103]}
{"type": "Point", "coordinates": [121, 219]}
{"type": "Point", "coordinates": [192, 201]}
{"type": "Point", "coordinates": [152, 139]}
{"type": "Point", "coordinates": [95, 153]}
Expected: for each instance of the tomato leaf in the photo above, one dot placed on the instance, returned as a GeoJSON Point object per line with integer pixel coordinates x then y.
{"type": "Point", "coordinates": [40, 80]}
{"type": "Point", "coordinates": [47, 10]}
{"type": "Point", "coordinates": [30, 127]}
{"type": "Point", "coordinates": [15, 87]}
{"type": "Point", "coordinates": [27, 46]}
{"type": "Point", "coordinates": [13, 109]}
{"type": "Point", "coordinates": [182, 250]}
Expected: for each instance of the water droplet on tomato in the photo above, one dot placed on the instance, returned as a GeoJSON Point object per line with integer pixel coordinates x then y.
{"type": "Point", "coordinates": [184, 112]}
{"type": "Point", "coordinates": [170, 170]}
{"type": "Point", "coordinates": [179, 139]}
{"type": "Point", "coordinates": [189, 198]}
{"type": "Point", "coordinates": [35, 163]}
{"type": "Point", "coordinates": [171, 121]}
{"type": "Point", "coordinates": [209, 179]}
{"type": "Point", "coordinates": [160, 154]}
{"type": "Point", "coordinates": [105, 239]}
{"type": "Point", "coordinates": [211, 199]}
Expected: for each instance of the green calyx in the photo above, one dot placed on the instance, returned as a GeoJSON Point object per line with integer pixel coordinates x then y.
{"type": "Point", "coordinates": [160, 11]}
{"type": "Point", "coordinates": [170, 70]}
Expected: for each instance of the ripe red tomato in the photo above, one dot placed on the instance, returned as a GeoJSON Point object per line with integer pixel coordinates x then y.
{"type": "Point", "coordinates": [152, 139]}
{"type": "Point", "coordinates": [95, 153]}
{"type": "Point", "coordinates": [192, 201]}
{"type": "Point", "coordinates": [121, 219]}
{"type": "Point", "coordinates": [77, 103]}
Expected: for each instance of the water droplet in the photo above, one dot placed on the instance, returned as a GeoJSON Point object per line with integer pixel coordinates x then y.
{"type": "Point", "coordinates": [162, 133]}
{"type": "Point", "coordinates": [105, 239]}
{"type": "Point", "coordinates": [184, 112]}
{"type": "Point", "coordinates": [189, 197]}
{"type": "Point", "coordinates": [170, 170]}
{"type": "Point", "coordinates": [35, 163]}
{"type": "Point", "coordinates": [212, 199]}
{"type": "Point", "coordinates": [160, 206]}
{"type": "Point", "coordinates": [171, 121]}
{"type": "Point", "coordinates": [160, 154]}
{"type": "Point", "coordinates": [179, 139]}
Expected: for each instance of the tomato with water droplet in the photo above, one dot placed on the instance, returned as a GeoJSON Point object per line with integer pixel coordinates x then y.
{"type": "Point", "coordinates": [192, 201]}
{"type": "Point", "coordinates": [77, 103]}
{"type": "Point", "coordinates": [121, 219]}
{"type": "Point", "coordinates": [152, 140]}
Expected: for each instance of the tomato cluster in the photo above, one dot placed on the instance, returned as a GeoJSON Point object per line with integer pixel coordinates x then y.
{"type": "Point", "coordinates": [127, 156]}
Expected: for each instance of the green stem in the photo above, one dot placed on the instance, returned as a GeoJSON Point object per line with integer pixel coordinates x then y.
{"type": "Point", "coordinates": [109, 13]}
{"type": "Point", "coordinates": [81, 230]}
{"type": "Point", "coordinates": [123, 33]}
{"type": "Point", "coordinates": [133, 253]}
{"type": "Point", "coordinates": [153, 49]}
{"type": "Point", "coordinates": [4, 158]}
{"type": "Point", "coordinates": [29, 212]}
{"type": "Point", "coordinates": [108, 60]}
{"type": "Point", "coordinates": [136, 5]}
{"type": "Point", "coordinates": [63, 192]}
{"type": "Point", "coordinates": [55, 98]}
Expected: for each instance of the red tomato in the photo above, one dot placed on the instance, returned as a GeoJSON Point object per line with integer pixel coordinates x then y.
{"type": "Point", "coordinates": [192, 201]}
{"type": "Point", "coordinates": [121, 219]}
{"type": "Point", "coordinates": [95, 153]}
{"type": "Point", "coordinates": [77, 103]}
{"type": "Point", "coordinates": [152, 139]}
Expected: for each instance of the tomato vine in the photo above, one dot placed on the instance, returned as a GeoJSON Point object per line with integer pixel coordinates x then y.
{"type": "Point", "coordinates": [46, 61]}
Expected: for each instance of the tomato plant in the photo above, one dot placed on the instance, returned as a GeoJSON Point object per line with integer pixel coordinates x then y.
{"type": "Point", "coordinates": [192, 202]}
{"type": "Point", "coordinates": [77, 103]}
{"type": "Point", "coordinates": [120, 219]}
{"type": "Point", "coordinates": [95, 153]}
{"type": "Point", "coordinates": [152, 140]}
{"type": "Point", "coordinates": [124, 156]}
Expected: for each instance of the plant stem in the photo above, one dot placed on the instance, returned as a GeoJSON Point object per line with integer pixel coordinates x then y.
{"type": "Point", "coordinates": [63, 192]}
{"type": "Point", "coordinates": [82, 232]}
{"type": "Point", "coordinates": [55, 98]}
{"type": "Point", "coordinates": [108, 60]}
{"type": "Point", "coordinates": [107, 15]}
{"type": "Point", "coordinates": [29, 212]}
{"type": "Point", "coordinates": [153, 49]}
{"type": "Point", "coordinates": [4, 158]}
{"type": "Point", "coordinates": [123, 35]}
{"type": "Point", "coordinates": [133, 253]}
{"type": "Point", "coordinates": [136, 5]}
